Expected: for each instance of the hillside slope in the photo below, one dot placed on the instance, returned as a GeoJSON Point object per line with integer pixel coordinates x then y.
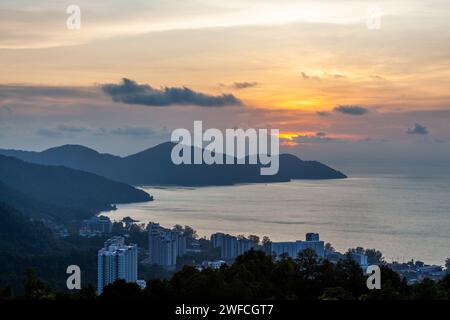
{"type": "Point", "coordinates": [154, 167]}
{"type": "Point", "coordinates": [62, 187]}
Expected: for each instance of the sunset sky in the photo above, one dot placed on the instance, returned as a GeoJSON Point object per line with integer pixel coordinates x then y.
{"type": "Point", "coordinates": [338, 90]}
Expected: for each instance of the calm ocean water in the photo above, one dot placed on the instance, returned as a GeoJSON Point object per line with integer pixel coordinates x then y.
{"type": "Point", "coordinates": [404, 216]}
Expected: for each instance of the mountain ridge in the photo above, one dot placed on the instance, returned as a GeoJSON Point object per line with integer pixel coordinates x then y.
{"type": "Point", "coordinates": [153, 166]}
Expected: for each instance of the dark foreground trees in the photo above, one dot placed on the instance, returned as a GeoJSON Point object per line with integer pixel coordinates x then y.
{"type": "Point", "coordinates": [255, 275]}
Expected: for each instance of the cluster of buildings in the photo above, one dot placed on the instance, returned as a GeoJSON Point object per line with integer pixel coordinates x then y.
{"type": "Point", "coordinates": [416, 271]}
{"type": "Point", "coordinates": [97, 225]}
{"type": "Point", "coordinates": [59, 230]}
{"type": "Point", "coordinates": [165, 245]}
{"type": "Point", "coordinates": [232, 247]}
{"type": "Point", "coordinates": [360, 258]}
{"type": "Point", "coordinates": [215, 264]}
{"type": "Point", "coordinates": [117, 260]}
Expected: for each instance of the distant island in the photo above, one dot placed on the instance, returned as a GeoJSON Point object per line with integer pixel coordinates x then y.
{"type": "Point", "coordinates": [154, 167]}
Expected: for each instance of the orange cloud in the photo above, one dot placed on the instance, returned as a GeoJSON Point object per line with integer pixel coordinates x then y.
{"type": "Point", "coordinates": [290, 135]}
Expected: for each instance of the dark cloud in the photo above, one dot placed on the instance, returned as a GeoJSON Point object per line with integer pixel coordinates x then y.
{"type": "Point", "coordinates": [319, 137]}
{"type": "Point", "coordinates": [418, 129]}
{"type": "Point", "coordinates": [128, 91]}
{"type": "Point", "coordinates": [351, 110]}
{"type": "Point", "coordinates": [131, 131]}
{"type": "Point", "coordinates": [244, 85]}
{"type": "Point", "coordinates": [23, 91]}
{"type": "Point", "coordinates": [323, 113]}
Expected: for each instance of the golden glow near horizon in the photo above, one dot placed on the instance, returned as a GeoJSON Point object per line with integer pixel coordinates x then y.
{"type": "Point", "coordinates": [294, 139]}
{"type": "Point", "coordinates": [292, 135]}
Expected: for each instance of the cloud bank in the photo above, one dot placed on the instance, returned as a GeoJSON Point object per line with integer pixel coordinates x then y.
{"type": "Point", "coordinates": [417, 129]}
{"type": "Point", "coordinates": [351, 110]}
{"type": "Point", "coordinates": [244, 85]}
{"type": "Point", "coordinates": [130, 92]}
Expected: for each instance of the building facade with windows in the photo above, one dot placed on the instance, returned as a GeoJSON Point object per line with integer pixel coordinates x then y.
{"type": "Point", "coordinates": [116, 261]}
{"type": "Point", "coordinates": [165, 245]}
{"type": "Point", "coordinates": [292, 248]}
{"type": "Point", "coordinates": [231, 246]}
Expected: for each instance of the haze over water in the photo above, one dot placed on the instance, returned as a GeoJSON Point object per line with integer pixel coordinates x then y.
{"type": "Point", "coordinates": [406, 216]}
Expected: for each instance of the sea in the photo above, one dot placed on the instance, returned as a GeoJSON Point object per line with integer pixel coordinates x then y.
{"type": "Point", "coordinates": [404, 215]}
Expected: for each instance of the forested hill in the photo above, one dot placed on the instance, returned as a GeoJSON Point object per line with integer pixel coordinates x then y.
{"type": "Point", "coordinates": [154, 166]}
{"type": "Point", "coordinates": [28, 243]}
{"type": "Point", "coordinates": [19, 233]}
{"type": "Point", "coordinates": [57, 190]}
